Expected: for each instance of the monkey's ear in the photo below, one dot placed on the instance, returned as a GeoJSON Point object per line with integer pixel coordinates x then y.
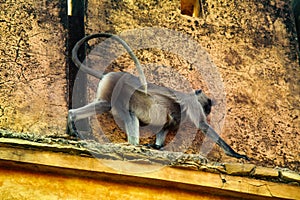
{"type": "Point", "coordinates": [198, 92]}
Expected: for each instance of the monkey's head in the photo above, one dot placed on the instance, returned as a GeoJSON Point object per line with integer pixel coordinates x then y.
{"type": "Point", "coordinates": [205, 101]}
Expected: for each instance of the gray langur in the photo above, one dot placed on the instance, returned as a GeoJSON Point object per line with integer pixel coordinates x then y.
{"type": "Point", "coordinates": [138, 103]}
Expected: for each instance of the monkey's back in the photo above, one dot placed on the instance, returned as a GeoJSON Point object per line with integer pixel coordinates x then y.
{"type": "Point", "coordinates": [107, 84]}
{"type": "Point", "coordinates": [166, 107]}
{"type": "Point", "coordinates": [160, 106]}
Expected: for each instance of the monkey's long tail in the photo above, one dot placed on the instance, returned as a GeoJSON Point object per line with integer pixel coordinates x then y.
{"type": "Point", "coordinates": [99, 75]}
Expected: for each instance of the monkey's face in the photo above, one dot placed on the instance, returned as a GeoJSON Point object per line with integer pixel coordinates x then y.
{"type": "Point", "coordinates": [204, 101]}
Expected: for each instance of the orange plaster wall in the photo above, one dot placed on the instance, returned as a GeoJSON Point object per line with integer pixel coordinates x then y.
{"type": "Point", "coordinates": [30, 185]}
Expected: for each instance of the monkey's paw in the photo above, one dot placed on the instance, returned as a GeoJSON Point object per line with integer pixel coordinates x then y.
{"type": "Point", "coordinates": [155, 146]}
{"type": "Point", "coordinates": [71, 128]}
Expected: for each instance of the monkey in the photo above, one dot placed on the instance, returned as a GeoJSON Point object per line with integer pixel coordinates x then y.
{"type": "Point", "coordinates": [138, 103]}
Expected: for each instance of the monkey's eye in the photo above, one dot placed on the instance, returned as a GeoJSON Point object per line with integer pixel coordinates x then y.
{"type": "Point", "coordinates": [198, 92]}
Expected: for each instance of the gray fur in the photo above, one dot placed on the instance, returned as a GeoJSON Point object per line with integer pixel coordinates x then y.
{"type": "Point", "coordinates": [138, 103]}
{"type": "Point", "coordinates": [160, 106]}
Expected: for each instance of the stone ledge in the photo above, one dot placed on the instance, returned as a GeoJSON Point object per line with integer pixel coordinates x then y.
{"type": "Point", "coordinates": [238, 169]}
{"type": "Point", "coordinates": [264, 172]}
{"type": "Point", "coordinates": [289, 176]}
{"type": "Point", "coordinates": [144, 155]}
{"type": "Point", "coordinates": [182, 181]}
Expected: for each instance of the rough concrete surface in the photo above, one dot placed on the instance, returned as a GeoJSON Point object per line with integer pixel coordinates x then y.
{"type": "Point", "coordinates": [252, 44]}
{"type": "Point", "coordinates": [254, 47]}
{"type": "Point", "coordinates": [32, 67]}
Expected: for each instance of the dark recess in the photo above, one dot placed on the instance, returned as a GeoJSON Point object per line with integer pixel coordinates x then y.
{"type": "Point", "coordinates": [296, 11]}
{"type": "Point", "coordinates": [76, 31]}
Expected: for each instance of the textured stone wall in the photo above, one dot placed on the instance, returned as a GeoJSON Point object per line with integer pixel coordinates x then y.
{"type": "Point", "coordinates": [253, 44]}
{"type": "Point", "coordinates": [32, 66]}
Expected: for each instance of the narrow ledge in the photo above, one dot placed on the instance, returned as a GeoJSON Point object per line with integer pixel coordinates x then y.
{"type": "Point", "coordinates": [144, 155]}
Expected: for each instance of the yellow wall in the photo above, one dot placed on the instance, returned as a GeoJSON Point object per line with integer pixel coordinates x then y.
{"type": "Point", "coordinates": [34, 185]}
{"type": "Point", "coordinates": [37, 174]}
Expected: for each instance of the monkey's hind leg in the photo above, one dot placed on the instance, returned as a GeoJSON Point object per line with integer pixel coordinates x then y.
{"type": "Point", "coordinates": [84, 112]}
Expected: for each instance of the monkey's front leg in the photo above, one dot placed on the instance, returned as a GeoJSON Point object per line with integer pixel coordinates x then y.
{"type": "Point", "coordinates": [208, 130]}
{"type": "Point", "coordinates": [84, 112]}
{"type": "Point", "coordinates": [132, 128]}
{"type": "Point", "coordinates": [160, 139]}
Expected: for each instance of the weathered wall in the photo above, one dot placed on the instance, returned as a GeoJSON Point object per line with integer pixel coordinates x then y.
{"type": "Point", "coordinates": [32, 66]}
{"type": "Point", "coordinates": [252, 44]}
{"type": "Point", "coordinates": [254, 47]}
